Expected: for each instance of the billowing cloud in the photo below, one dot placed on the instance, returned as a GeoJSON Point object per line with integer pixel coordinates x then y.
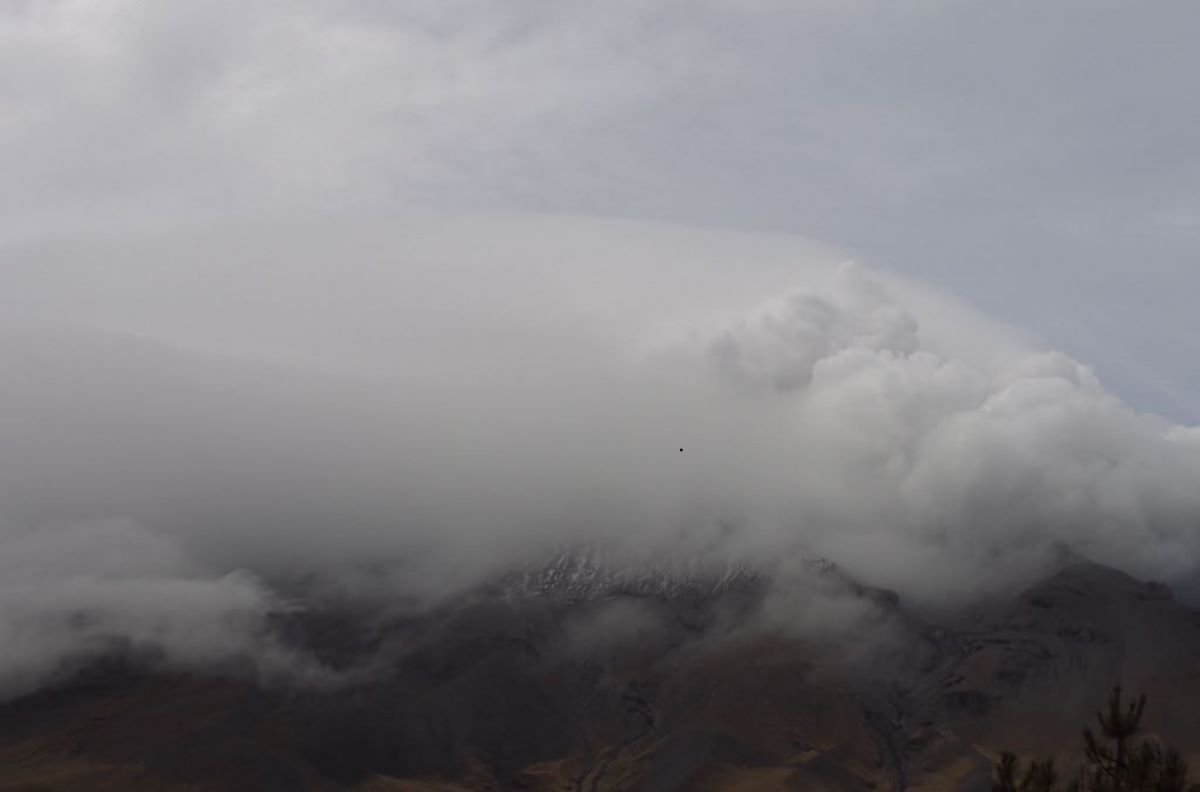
{"type": "Point", "coordinates": [249, 336]}
{"type": "Point", "coordinates": [223, 425]}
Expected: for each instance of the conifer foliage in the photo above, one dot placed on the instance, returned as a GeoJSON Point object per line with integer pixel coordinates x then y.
{"type": "Point", "coordinates": [1116, 759]}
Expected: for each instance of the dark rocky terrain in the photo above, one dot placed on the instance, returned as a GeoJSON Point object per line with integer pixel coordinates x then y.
{"type": "Point", "coordinates": [574, 678]}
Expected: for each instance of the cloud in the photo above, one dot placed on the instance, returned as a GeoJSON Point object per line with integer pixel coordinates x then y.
{"type": "Point", "coordinates": [212, 105]}
{"type": "Point", "coordinates": [226, 327]}
{"type": "Point", "coordinates": [780, 343]}
{"type": "Point", "coordinates": [942, 475]}
{"type": "Point", "coordinates": [855, 122]}
{"type": "Point", "coordinates": [269, 410]}
{"type": "Point", "coordinates": [72, 592]}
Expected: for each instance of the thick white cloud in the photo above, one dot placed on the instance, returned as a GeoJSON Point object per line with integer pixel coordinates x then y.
{"type": "Point", "coordinates": [781, 343]}
{"type": "Point", "coordinates": [196, 349]}
{"type": "Point", "coordinates": [324, 396]}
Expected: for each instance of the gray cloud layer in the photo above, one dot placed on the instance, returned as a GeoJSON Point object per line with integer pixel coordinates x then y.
{"type": "Point", "coordinates": [333, 399]}
{"type": "Point", "coordinates": [1039, 161]}
{"type": "Point", "coordinates": [234, 350]}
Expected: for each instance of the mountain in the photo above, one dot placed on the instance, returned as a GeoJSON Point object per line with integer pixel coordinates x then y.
{"type": "Point", "coordinates": [575, 677]}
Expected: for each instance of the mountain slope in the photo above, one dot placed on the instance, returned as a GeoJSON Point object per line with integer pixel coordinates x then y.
{"type": "Point", "coordinates": [637, 688]}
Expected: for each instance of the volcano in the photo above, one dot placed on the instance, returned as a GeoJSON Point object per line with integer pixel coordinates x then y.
{"type": "Point", "coordinates": [570, 676]}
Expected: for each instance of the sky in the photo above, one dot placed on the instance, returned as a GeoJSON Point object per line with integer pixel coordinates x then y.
{"type": "Point", "coordinates": [1038, 161]}
{"type": "Point", "coordinates": [440, 286]}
